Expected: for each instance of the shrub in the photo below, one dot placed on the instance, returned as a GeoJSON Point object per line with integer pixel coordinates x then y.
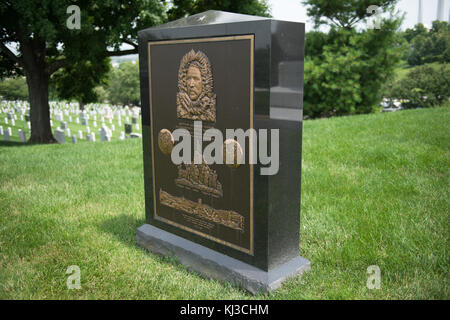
{"type": "Point", "coordinates": [424, 87]}
{"type": "Point", "coordinates": [14, 89]}
{"type": "Point", "coordinates": [345, 69]}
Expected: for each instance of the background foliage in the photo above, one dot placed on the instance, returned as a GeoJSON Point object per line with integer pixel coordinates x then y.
{"type": "Point", "coordinates": [14, 88]}
{"type": "Point", "coordinates": [348, 69]}
{"type": "Point", "coordinates": [123, 85]}
{"type": "Point", "coordinates": [426, 46]}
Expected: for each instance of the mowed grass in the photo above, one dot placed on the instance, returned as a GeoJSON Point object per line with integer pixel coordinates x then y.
{"type": "Point", "coordinates": [375, 191]}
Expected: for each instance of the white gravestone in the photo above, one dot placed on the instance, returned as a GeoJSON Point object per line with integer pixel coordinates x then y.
{"type": "Point", "coordinates": [108, 112]}
{"type": "Point", "coordinates": [80, 134]}
{"type": "Point", "coordinates": [6, 135]}
{"type": "Point", "coordinates": [59, 135]}
{"type": "Point", "coordinates": [105, 134]}
{"type": "Point", "coordinates": [22, 136]}
{"type": "Point", "coordinates": [83, 118]}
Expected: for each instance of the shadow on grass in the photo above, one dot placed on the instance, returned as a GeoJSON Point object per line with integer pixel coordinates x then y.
{"type": "Point", "coordinates": [15, 144]}
{"type": "Point", "coordinates": [22, 144]}
{"type": "Point", "coordinates": [123, 228]}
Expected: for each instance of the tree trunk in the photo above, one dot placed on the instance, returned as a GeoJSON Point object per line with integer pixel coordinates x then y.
{"type": "Point", "coordinates": [81, 105]}
{"type": "Point", "coordinates": [41, 131]}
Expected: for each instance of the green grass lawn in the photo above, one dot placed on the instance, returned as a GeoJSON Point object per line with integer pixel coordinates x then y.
{"type": "Point", "coordinates": [375, 191]}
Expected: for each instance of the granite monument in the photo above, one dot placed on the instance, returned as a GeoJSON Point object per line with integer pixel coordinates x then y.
{"type": "Point", "coordinates": [224, 70]}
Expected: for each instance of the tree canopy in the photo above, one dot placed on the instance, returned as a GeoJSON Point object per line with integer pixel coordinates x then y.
{"type": "Point", "coordinates": [183, 8]}
{"type": "Point", "coordinates": [428, 46]}
{"type": "Point", "coordinates": [344, 13]}
{"type": "Point", "coordinates": [345, 68]}
{"type": "Point", "coordinates": [78, 81]}
{"type": "Point", "coordinates": [35, 41]}
{"type": "Point", "coordinates": [14, 89]}
{"type": "Point", "coordinates": [123, 87]}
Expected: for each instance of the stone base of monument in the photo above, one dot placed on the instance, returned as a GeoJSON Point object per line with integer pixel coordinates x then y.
{"type": "Point", "coordinates": [212, 264]}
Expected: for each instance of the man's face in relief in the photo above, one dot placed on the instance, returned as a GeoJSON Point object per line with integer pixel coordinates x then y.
{"type": "Point", "coordinates": [194, 83]}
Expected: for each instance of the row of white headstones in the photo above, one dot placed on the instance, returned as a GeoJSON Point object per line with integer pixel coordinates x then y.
{"type": "Point", "coordinates": [7, 133]}
{"type": "Point", "coordinates": [80, 116]}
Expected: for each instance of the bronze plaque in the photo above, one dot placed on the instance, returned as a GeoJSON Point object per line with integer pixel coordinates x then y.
{"type": "Point", "coordinates": [208, 80]}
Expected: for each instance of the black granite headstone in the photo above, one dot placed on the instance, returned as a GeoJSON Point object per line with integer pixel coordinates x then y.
{"type": "Point", "coordinates": [229, 71]}
{"type": "Point", "coordinates": [128, 128]}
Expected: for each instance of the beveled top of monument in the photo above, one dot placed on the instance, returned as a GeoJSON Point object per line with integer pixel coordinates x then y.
{"type": "Point", "coordinates": [208, 17]}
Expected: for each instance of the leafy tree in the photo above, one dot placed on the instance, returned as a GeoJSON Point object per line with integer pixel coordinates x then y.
{"type": "Point", "coordinates": [428, 46]}
{"type": "Point", "coordinates": [36, 41]}
{"type": "Point", "coordinates": [14, 89]}
{"type": "Point", "coordinates": [344, 13]}
{"type": "Point", "coordinates": [424, 86]}
{"type": "Point", "coordinates": [183, 8]}
{"type": "Point", "coordinates": [78, 81]}
{"type": "Point", "coordinates": [419, 29]}
{"type": "Point", "coordinates": [345, 69]}
{"type": "Point", "coordinates": [101, 93]}
{"type": "Point", "coordinates": [332, 82]}
{"type": "Point", "coordinates": [123, 85]}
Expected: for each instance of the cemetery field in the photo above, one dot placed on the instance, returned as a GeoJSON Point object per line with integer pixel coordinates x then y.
{"type": "Point", "coordinates": [375, 191]}
{"type": "Point", "coordinates": [72, 122]}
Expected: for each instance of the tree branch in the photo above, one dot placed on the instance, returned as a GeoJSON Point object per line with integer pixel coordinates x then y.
{"type": "Point", "coordinates": [131, 43]}
{"type": "Point", "coordinates": [10, 54]}
{"type": "Point", "coordinates": [55, 65]}
{"type": "Point", "coordinates": [121, 52]}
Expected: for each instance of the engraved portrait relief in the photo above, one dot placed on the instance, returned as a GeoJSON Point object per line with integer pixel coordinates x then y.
{"type": "Point", "coordinates": [196, 99]}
